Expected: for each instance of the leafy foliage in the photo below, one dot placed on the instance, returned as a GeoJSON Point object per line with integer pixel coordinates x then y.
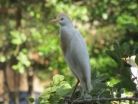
{"type": "Point", "coordinates": [108, 26]}
{"type": "Point", "coordinates": [23, 62]}
{"type": "Point", "coordinates": [55, 93]}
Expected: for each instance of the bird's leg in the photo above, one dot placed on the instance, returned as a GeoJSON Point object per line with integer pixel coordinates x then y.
{"type": "Point", "coordinates": [87, 95]}
{"type": "Point", "coordinates": [75, 88]}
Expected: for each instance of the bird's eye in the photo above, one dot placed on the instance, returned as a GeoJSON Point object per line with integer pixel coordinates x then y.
{"type": "Point", "coordinates": [61, 19]}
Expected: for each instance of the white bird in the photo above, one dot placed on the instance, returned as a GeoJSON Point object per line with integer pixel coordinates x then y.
{"type": "Point", "coordinates": [75, 54]}
{"type": "Point", "coordinates": [134, 69]}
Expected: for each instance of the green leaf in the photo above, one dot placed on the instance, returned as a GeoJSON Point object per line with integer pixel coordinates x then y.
{"type": "Point", "coordinates": [22, 57]}
{"type": "Point", "coordinates": [17, 37]}
{"type": "Point", "coordinates": [31, 99]}
{"type": "Point", "coordinates": [58, 79]}
{"type": "Point", "coordinates": [56, 91]}
{"type": "Point", "coordinates": [2, 58]}
{"type": "Point", "coordinates": [113, 82]}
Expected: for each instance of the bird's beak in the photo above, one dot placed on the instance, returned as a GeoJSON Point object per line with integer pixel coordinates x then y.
{"type": "Point", "coordinates": [54, 20]}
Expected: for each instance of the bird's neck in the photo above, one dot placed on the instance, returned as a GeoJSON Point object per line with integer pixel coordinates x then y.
{"type": "Point", "coordinates": [66, 36]}
{"type": "Point", "coordinates": [66, 33]}
{"type": "Point", "coordinates": [69, 25]}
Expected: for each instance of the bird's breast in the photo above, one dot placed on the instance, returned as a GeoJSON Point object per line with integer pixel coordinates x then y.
{"type": "Point", "coordinates": [64, 46]}
{"type": "Point", "coordinates": [65, 38]}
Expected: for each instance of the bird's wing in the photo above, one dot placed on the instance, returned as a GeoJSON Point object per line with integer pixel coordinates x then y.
{"type": "Point", "coordinates": [78, 55]}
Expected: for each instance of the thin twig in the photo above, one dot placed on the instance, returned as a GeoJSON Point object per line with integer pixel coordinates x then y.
{"type": "Point", "coordinates": [100, 99]}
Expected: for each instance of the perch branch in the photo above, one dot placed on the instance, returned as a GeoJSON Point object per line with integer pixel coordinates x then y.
{"type": "Point", "coordinates": [101, 99]}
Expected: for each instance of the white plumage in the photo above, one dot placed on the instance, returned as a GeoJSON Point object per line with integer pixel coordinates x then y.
{"type": "Point", "coordinates": [133, 68]}
{"type": "Point", "coordinates": [75, 53]}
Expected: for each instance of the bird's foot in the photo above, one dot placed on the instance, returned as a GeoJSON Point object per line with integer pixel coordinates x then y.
{"type": "Point", "coordinates": [84, 96]}
{"type": "Point", "coordinates": [88, 96]}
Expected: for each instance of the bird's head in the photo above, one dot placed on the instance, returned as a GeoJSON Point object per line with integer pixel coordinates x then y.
{"type": "Point", "coordinates": [62, 19]}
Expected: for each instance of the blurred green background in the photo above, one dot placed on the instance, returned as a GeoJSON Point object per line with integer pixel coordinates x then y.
{"type": "Point", "coordinates": [109, 27]}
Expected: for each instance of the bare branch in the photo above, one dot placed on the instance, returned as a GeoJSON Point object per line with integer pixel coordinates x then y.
{"type": "Point", "coordinates": [100, 99]}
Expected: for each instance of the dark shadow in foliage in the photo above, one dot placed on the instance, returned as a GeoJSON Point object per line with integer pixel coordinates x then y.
{"type": "Point", "coordinates": [122, 49]}
{"type": "Point", "coordinates": [100, 90]}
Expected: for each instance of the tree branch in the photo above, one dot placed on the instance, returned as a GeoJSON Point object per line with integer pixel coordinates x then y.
{"type": "Point", "coordinates": [99, 99]}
